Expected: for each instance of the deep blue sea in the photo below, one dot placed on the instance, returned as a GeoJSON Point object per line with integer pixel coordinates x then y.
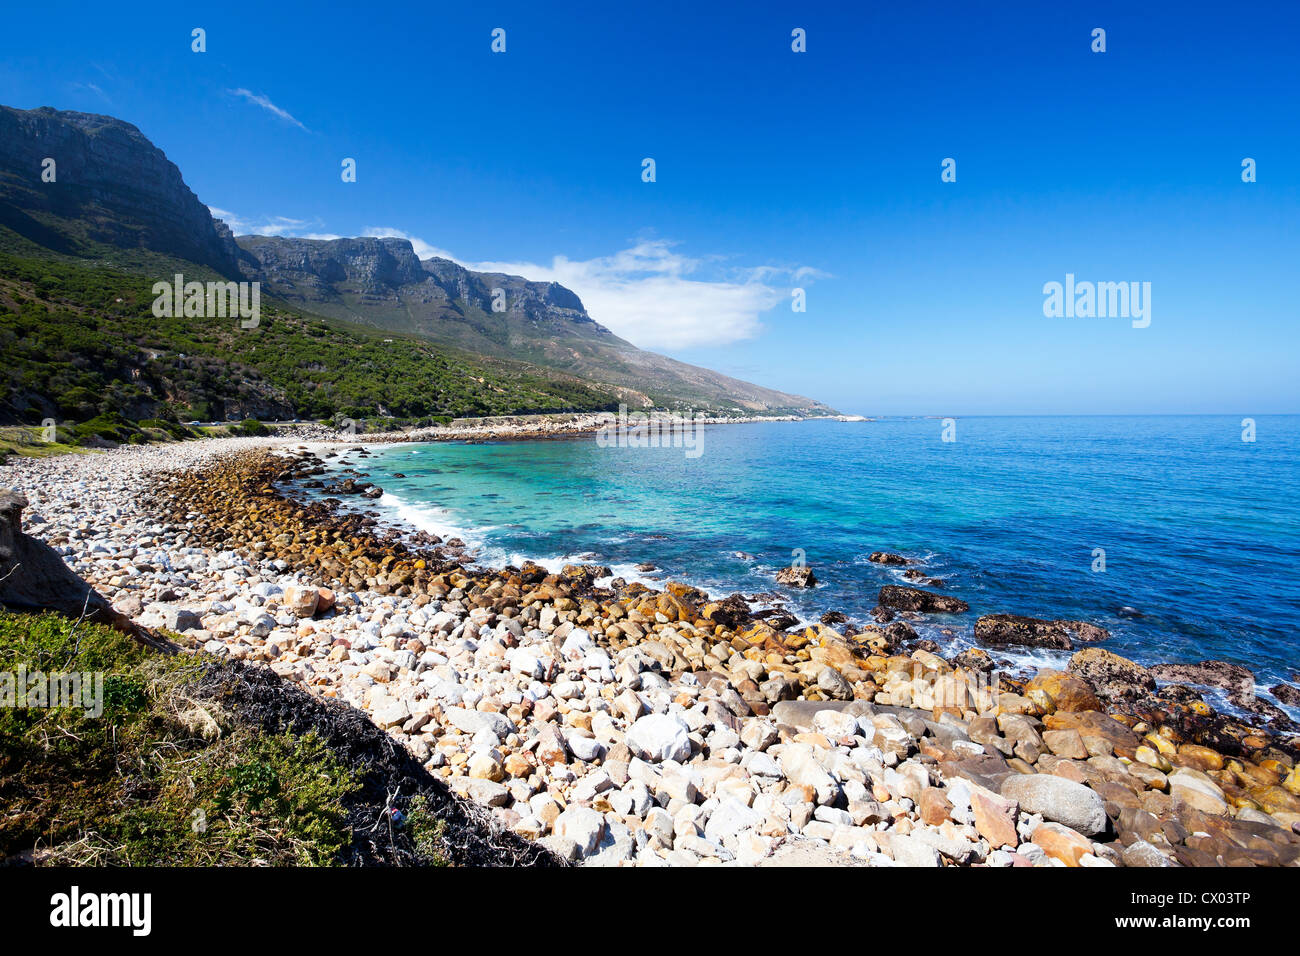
{"type": "Point", "coordinates": [1199, 528]}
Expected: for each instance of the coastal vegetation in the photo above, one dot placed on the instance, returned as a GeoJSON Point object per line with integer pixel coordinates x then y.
{"type": "Point", "coordinates": [165, 775]}
{"type": "Point", "coordinates": [83, 349]}
{"type": "Point", "coordinates": [192, 761]}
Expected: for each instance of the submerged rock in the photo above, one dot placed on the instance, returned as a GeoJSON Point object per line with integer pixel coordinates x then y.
{"type": "Point", "coordinates": [1287, 694]}
{"type": "Point", "coordinates": [1208, 673]}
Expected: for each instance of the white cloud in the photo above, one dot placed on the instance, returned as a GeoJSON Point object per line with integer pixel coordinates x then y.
{"type": "Point", "coordinates": [266, 104]}
{"type": "Point", "coordinates": [94, 88]}
{"type": "Point", "coordinates": [422, 249]}
{"type": "Point", "coordinates": [655, 297]}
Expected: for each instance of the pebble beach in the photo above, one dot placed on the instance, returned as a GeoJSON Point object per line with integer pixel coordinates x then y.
{"type": "Point", "coordinates": [621, 724]}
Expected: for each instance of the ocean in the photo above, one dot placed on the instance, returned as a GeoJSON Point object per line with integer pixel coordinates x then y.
{"type": "Point", "coordinates": [1171, 532]}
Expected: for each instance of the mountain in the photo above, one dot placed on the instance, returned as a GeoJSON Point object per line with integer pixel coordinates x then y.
{"type": "Point", "coordinates": [115, 201]}
{"type": "Point", "coordinates": [381, 282]}
{"type": "Point", "coordinates": [111, 187]}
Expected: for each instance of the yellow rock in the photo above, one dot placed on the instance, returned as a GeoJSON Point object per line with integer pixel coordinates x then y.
{"type": "Point", "coordinates": [797, 641]}
{"type": "Point", "coordinates": [931, 662]}
{"type": "Point", "coordinates": [757, 634]}
{"type": "Point", "coordinates": [1153, 758]}
{"type": "Point", "coordinates": [1041, 699]}
{"type": "Point", "coordinates": [1203, 757]}
{"type": "Point", "coordinates": [1161, 744]}
{"type": "Point", "coordinates": [1063, 692]}
{"type": "Point", "coordinates": [1253, 775]}
{"type": "Point", "coordinates": [1276, 799]}
{"type": "Point", "coordinates": [1292, 782]}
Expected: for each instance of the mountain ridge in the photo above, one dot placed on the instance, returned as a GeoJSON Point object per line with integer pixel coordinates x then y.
{"type": "Point", "coordinates": [381, 282]}
{"type": "Point", "coordinates": [114, 198]}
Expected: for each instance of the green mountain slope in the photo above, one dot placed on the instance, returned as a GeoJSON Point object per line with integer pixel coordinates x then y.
{"type": "Point", "coordinates": [81, 342]}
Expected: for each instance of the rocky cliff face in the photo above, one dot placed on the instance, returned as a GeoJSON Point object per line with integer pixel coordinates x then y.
{"type": "Point", "coordinates": [371, 266]}
{"type": "Point", "coordinates": [354, 278]}
{"type": "Point", "coordinates": [111, 185]}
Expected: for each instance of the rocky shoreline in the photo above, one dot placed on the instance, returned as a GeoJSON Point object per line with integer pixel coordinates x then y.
{"type": "Point", "coordinates": [624, 725]}
{"type": "Point", "coordinates": [535, 427]}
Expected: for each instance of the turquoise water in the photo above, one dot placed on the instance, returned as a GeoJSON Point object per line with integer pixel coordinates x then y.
{"type": "Point", "coordinates": [1200, 529]}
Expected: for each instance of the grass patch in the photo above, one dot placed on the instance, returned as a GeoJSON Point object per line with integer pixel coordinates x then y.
{"type": "Point", "coordinates": [164, 776]}
{"type": "Point", "coordinates": [196, 761]}
{"type": "Point", "coordinates": [26, 441]}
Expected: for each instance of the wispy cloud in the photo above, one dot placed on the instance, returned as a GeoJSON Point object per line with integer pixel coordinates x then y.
{"type": "Point", "coordinates": [94, 88]}
{"type": "Point", "coordinates": [266, 104]}
{"type": "Point", "coordinates": [268, 225]}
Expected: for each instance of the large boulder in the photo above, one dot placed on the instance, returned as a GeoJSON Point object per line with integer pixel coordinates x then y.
{"type": "Point", "coordinates": [302, 601]}
{"type": "Point", "coordinates": [1053, 690]}
{"type": "Point", "coordinates": [583, 826]}
{"type": "Point", "coordinates": [1113, 677]}
{"type": "Point", "coordinates": [34, 578]}
{"type": "Point", "coordinates": [1017, 630]}
{"type": "Point", "coordinates": [1059, 800]}
{"type": "Point", "coordinates": [902, 598]}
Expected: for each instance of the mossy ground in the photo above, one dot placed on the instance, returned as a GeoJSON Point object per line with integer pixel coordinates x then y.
{"type": "Point", "coordinates": [196, 761]}
{"type": "Point", "coordinates": [163, 776]}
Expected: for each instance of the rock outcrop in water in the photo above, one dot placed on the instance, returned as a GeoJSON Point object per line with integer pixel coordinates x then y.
{"type": "Point", "coordinates": [1017, 630]}
{"type": "Point", "coordinates": [797, 577]}
{"type": "Point", "coordinates": [902, 598]}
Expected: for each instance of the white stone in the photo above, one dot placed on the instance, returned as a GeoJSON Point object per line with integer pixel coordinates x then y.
{"type": "Point", "coordinates": [659, 737]}
{"type": "Point", "coordinates": [583, 826]}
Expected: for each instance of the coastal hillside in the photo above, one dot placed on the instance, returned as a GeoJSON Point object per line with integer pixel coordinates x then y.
{"type": "Point", "coordinates": [93, 191]}
{"type": "Point", "coordinates": [81, 345]}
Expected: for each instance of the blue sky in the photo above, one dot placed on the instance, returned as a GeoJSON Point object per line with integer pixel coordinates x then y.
{"type": "Point", "coordinates": [774, 170]}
